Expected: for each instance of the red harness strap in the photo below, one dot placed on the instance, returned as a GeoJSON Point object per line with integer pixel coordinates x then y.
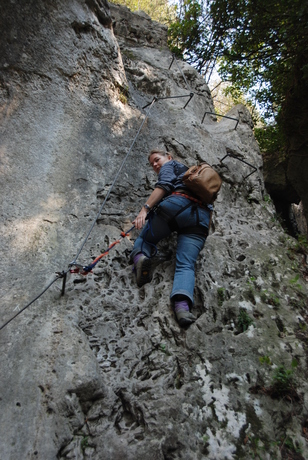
{"type": "Point", "coordinates": [199, 202]}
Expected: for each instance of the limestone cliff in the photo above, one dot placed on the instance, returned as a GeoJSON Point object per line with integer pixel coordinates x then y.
{"type": "Point", "coordinates": [104, 372]}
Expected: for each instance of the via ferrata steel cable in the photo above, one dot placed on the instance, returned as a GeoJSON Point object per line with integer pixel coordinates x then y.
{"type": "Point", "coordinates": [113, 183]}
{"type": "Point", "coordinates": [28, 305]}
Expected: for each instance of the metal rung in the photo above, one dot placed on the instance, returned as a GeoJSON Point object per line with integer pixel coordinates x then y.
{"type": "Point", "coordinates": [232, 155]}
{"type": "Point", "coordinates": [223, 116]}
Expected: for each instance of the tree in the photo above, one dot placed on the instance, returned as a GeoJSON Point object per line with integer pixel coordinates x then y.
{"type": "Point", "coordinates": [190, 34]}
{"type": "Point", "coordinates": [159, 10]}
{"type": "Point", "coordinates": [262, 47]}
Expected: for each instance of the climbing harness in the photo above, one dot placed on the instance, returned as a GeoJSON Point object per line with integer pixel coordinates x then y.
{"type": "Point", "coordinates": [193, 203]}
{"type": "Point", "coordinates": [191, 198]}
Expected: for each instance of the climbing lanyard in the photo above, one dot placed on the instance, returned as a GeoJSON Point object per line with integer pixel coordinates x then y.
{"type": "Point", "coordinates": [84, 270]}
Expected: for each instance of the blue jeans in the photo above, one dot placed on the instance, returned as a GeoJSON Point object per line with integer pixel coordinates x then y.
{"type": "Point", "coordinates": [191, 225]}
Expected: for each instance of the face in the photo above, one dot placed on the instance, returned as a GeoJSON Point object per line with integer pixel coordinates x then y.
{"type": "Point", "coordinates": [157, 160]}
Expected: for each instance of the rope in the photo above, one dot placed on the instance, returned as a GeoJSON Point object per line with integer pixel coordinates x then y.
{"type": "Point", "coordinates": [28, 305]}
{"type": "Point", "coordinates": [87, 269]}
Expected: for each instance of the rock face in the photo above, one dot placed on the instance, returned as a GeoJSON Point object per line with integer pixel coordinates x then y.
{"type": "Point", "coordinates": [104, 371]}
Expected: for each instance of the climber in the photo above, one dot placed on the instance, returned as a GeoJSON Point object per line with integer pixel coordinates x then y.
{"type": "Point", "coordinates": [171, 207]}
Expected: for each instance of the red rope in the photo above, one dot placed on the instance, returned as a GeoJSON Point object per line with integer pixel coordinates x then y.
{"type": "Point", "coordinates": [88, 269]}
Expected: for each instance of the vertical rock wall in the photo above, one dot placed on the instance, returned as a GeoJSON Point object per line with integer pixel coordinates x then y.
{"type": "Point", "coordinates": [104, 371]}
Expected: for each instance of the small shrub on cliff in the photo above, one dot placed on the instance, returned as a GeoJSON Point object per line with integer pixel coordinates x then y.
{"type": "Point", "coordinates": [283, 379]}
{"type": "Point", "coordinates": [265, 360]}
{"type": "Point", "coordinates": [221, 294]}
{"type": "Point", "coordinates": [244, 320]}
{"type": "Point", "coordinates": [294, 282]}
{"type": "Point", "coordinates": [302, 244]}
{"type": "Point", "coordinates": [270, 299]}
{"type": "Point", "coordinates": [161, 11]}
{"type": "Point", "coordinates": [123, 93]}
{"type": "Point", "coordinates": [84, 443]}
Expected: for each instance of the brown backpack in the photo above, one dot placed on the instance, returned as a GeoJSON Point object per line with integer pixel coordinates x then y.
{"type": "Point", "coordinates": [203, 181]}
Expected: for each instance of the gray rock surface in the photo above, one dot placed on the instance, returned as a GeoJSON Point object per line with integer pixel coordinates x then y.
{"type": "Point", "coordinates": [104, 372]}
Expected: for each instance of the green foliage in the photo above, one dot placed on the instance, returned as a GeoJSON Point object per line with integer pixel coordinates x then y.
{"type": "Point", "coordinates": [283, 379]}
{"type": "Point", "coordinates": [267, 199]}
{"type": "Point", "coordinates": [244, 320]}
{"type": "Point", "coordinates": [271, 138]}
{"type": "Point", "coordinates": [273, 300]}
{"type": "Point", "coordinates": [163, 348]}
{"type": "Point", "coordinates": [189, 34]}
{"type": "Point", "coordinates": [302, 244]}
{"type": "Point", "coordinates": [205, 439]}
{"type": "Point", "coordinates": [129, 54]}
{"type": "Point", "coordinates": [257, 447]}
{"type": "Point", "coordinates": [294, 282]}
{"type": "Point", "coordinates": [252, 279]}
{"type": "Point", "coordinates": [288, 442]}
{"type": "Point", "coordinates": [123, 98]}
{"type": "Point", "coordinates": [221, 294]}
{"type": "Point", "coordinates": [270, 298]}
{"type": "Point", "coordinates": [123, 93]}
{"type": "Point", "coordinates": [260, 49]}
{"type": "Point", "coordinates": [159, 10]}
{"type": "Point", "coordinates": [261, 43]}
{"type": "Point", "coordinates": [265, 360]}
{"type": "Point", "coordinates": [84, 443]}
{"type": "Point", "coordinates": [303, 327]}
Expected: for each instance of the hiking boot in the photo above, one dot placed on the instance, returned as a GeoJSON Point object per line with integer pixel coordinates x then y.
{"type": "Point", "coordinates": [185, 318]}
{"type": "Point", "coordinates": [181, 310]}
{"type": "Point", "coordinates": [143, 270]}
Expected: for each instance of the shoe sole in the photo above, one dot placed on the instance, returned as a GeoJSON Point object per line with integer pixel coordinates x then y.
{"type": "Point", "coordinates": [145, 275]}
{"type": "Point", "coordinates": [185, 318]}
{"type": "Point", "coordinates": [184, 322]}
